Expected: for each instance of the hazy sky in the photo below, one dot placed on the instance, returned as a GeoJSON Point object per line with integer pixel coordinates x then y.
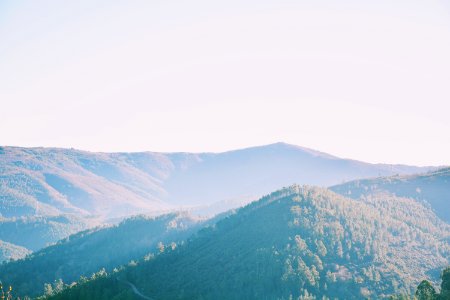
{"type": "Point", "coordinates": [368, 80]}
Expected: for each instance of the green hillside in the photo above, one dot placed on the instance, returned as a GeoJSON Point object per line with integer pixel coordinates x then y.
{"type": "Point", "coordinates": [297, 241]}
{"type": "Point", "coordinates": [47, 183]}
{"type": "Point", "coordinates": [87, 252]}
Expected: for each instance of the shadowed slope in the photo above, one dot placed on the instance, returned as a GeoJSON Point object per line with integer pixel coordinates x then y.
{"type": "Point", "coordinates": [87, 252]}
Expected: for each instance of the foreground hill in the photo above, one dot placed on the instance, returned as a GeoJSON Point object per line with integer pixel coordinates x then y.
{"type": "Point", "coordinates": [89, 251]}
{"type": "Point", "coordinates": [432, 188]}
{"type": "Point", "coordinates": [295, 241]}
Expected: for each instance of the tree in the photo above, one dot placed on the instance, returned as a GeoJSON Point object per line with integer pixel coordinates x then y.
{"type": "Point", "coordinates": [445, 285]}
{"type": "Point", "coordinates": [48, 290]}
{"type": "Point", "coordinates": [161, 247]}
{"type": "Point", "coordinates": [58, 286]}
{"type": "Point", "coordinates": [425, 291]}
{"type": "Point", "coordinates": [306, 296]}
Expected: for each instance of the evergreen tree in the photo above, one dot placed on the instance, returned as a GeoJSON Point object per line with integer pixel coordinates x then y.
{"type": "Point", "coordinates": [425, 291]}
{"type": "Point", "coordinates": [445, 285]}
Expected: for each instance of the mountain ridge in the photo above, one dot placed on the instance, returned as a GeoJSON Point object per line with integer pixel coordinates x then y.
{"type": "Point", "coordinates": [50, 182]}
{"type": "Point", "coordinates": [275, 144]}
{"type": "Point", "coordinates": [431, 188]}
{"type": "Point", "coordinates": [295, 241]}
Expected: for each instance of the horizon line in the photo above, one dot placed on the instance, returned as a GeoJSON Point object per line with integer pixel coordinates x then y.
{"type": "Point", "coordinates": [281, 143]}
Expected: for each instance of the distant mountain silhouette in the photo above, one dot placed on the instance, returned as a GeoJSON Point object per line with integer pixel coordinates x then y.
{"type": "Point", "coordinates": [50, 193]}
{"type": "Point", "coordinates": [51, 181]}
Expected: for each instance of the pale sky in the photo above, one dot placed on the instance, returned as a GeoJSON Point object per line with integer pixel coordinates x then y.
{"type": "Point", "coordinates": [368, 80]}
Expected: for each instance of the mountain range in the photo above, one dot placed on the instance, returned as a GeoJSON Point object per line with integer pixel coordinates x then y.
{"type": "Point", "coordinates": [51, 181]}
{"type": "Point", "coordinates": [377, 231]}
{"type": "Point", "coordinates": [46, 194]}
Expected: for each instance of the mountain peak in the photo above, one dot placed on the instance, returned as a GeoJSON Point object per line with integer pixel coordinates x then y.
{"type": "Point", "coordinates": [287, 146]}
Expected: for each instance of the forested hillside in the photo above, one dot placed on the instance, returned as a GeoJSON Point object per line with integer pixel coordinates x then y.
{"type": "Point", "coordinates": [90, 251]}
{"type": "Point", "coordinates": [432, 188]}
{"type": "Point", "coordinates": [297, 241]}
{"type": "Point", "coordinates": [49, 193]}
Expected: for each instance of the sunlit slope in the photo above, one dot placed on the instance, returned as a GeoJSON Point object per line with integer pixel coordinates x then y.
{"type": "Point", "coordinates": [10, 251]}
{"type": "Point", "coordinates": [296, 239]}
{"type": "Point", "coordinates": [432, 188]}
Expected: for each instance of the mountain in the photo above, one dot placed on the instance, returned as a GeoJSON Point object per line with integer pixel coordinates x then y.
{"type": "Point", "coordinates": [62, 191]}
{"type": "Point", "coordinates": [10, 251]}
{"type": "Point", "coordinates": [298, 241]}
{"type": "Point", "coordinates": [20, 236]}
{"type": "Point", "coordinates": [87, 252]}
{"type": "Point", "coordinates": [37, 232]}
{"type": "Point", "coordinates": [50, 181]}
{"type": "Point", "coordinates": [256, 171]}
{"type": "Point", "coordinates": [432, 188]}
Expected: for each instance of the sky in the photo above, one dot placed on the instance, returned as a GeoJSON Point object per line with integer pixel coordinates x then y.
{"type": "Point", "coordinates": [368, 80]}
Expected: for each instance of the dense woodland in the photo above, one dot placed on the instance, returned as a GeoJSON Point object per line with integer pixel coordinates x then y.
{"type": "Point", "coordinates": [297, 242]}
{"type": "Point", "coordinates": [380, 238]}
{"type": "Point", "coordinates": [424, 291]}
{"type": "Point", "coordinates": [87, 252]}
{"type": "Point", "coordinates": [46, 194]}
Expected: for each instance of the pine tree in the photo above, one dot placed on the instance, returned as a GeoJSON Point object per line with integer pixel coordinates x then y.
{"type": "Point", "coordinates": [425, 291]}
{"type": "Point", "coordinates": [445, 285]}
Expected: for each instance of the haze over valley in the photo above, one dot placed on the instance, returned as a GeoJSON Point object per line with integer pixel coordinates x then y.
{"type": "Point", "coordinates": [51, 194]}
{"type": "Point", "coordinates": [275, 150]}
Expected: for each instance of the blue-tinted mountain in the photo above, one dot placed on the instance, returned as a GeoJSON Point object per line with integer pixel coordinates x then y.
{"type": "Point", "coordinates": [10, 251]}
{"type": "Point", "coordinates": [432, 188]}
{"type": "Point", "coordinates": [63, 191]}
{"type": "Point", "coordinates": [37, 232]}
{"type": "Point", "coordinates": [50, 181]}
